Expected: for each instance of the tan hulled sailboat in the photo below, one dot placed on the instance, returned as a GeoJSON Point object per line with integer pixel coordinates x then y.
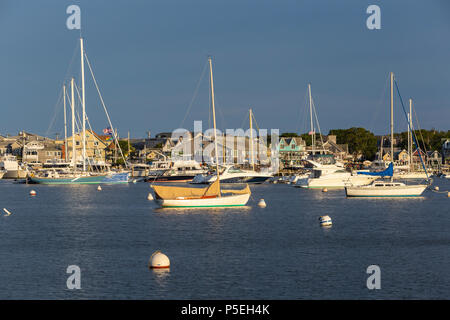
{"type": "Point", "coordinates": [211, 196]}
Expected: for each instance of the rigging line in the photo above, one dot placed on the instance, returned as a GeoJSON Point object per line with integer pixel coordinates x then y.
{"type": "Point", "coordinates": [318, 125]}
{"type": "Point", "coordinates": [96, 146]}
{"type": "Point", "coordinates": [378, 105]}
{"type": "Point", "coordinates": [55, 113]}
{"type": "Point", "coordinates": [195, 94]}
{"type": "Point", "coordinates": [106, 111]}
{"type": "Point", "coordinates": [413, 133]}
{"type": "Point", "coordinates": [420, 130]}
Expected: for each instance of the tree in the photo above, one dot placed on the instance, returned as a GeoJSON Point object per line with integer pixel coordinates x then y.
{"type": "Point", "coordinates": [359, 140]}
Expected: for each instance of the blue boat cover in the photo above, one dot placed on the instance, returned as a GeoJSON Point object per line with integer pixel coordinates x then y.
{"type": "Point", "coordinates": [385, 173]}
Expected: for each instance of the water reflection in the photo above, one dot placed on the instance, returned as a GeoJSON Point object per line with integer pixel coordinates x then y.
{"type": "Point", "coordinates": [161, 276]}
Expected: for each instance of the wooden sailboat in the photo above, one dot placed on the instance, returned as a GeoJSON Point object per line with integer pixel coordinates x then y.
{"type": "Point", "coordinates": [387, 188]}
{"type": "Point", "coordinates": [211, 196]}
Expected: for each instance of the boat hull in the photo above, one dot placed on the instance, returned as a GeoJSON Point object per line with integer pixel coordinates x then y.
{"type": "Point", "coordinates": [224, 201]}
{"type": "Point", "coordinates": [338, 183]}
{"type": "Point", "coordinates": [100, 179]}
{"type": "Point", "coordinates": [386, 192]}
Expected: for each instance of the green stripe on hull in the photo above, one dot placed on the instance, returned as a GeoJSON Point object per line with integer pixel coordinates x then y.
{"type": "Point", "coordinates": [399, 196]}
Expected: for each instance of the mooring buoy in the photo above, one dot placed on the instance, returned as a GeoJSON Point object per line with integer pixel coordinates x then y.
{"type": "Point", "coordinates": [262, 203]}
{"type": "Point", "coordinates": [158, 260]}
{"type": "Point", "coordinates": [32, 193]}
{"type": "Point", "coordinates": [150, 196]}
{"type": "Point", "coordinates": [99, 188]}
{"type": "Point", "coordinates": [324, 190]}
{"type": "Point", "coordinates": [7, 212]}
{"type": "Point", "coordinates": [325, 221]}
{"type": "Point", "coordinates": [436, 188]}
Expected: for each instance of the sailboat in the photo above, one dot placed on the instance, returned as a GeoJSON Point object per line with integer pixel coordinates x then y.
{"type": "Point", "coordinates": [330, 175]}
{"type": "Point", "coordinates": [387, 188]}
{"type": "Point", "coordinates": [76, 177]}
{"type": "Point", "coordinates": [211, 196]}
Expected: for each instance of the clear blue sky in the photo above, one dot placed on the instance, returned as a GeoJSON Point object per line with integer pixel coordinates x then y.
{"type": "Point", "coordinates": [148, 57]}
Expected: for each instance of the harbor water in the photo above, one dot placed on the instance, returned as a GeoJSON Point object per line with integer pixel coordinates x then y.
{"type": "Point", "coordinates": [277, 252]}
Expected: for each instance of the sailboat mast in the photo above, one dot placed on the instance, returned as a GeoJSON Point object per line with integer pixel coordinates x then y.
{"type": "Point", "coordinates": [65, 124]}
{"type": "Point", "coordinates": [251, 141]}
{"type": "Point", "coordinates": [409, 137]}
{"type": "Point", "coordinates": [74, 163]}
{"type": "Point", "coordinates": [214, 120]}
{"type": "Point", "coordinates": [392, 118]}
{"type": "Point", "coordinates": [313, 134]}
{"type": "Point", "coordinates": [83, 101]}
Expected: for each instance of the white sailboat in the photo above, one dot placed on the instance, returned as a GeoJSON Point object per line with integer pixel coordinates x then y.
{"type": "Point", "coordinates": [332, 175]}
{"type": "Point", "coordinates": [387, 189]}
{"type": "Point", "coordinates": [211, 196]}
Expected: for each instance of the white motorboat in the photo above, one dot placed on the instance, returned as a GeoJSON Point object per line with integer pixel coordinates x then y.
{"type": "Point", "coordinates": [233, 174]}
{"type": "Point", "coordinates": [11, 167]}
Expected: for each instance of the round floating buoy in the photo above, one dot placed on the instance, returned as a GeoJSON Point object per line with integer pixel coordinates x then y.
{"type": "Point", "coordinates": [150, 196]}
{"type": "Point", "coordinates": [134, 181]}
{"type": "Point", "coordinates": [448, 194]}
{"type": "Point", "coordinates": [7, 212]}
{"type": "Point", "coordinates": [436, 188]}
{"type": "Point", "coordinates": [262, 203]}
{"type": "Point", "coordinates": [32, 193]}
{"type": "Point", "coordinates": [325, 221]}
{"type": "Point", "coordinates": [158, 260]}
{"type": "Point", "coordinates": [99, 188]}
{"type": "Point", "coordinates": [324, 190]}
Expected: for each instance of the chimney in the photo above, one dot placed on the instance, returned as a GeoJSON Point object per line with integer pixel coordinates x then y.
{"type": "Point", "coordinates": [332, 138]}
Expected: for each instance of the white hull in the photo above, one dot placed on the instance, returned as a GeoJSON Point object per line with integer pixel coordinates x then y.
{"type": "Point", "coordinates": [411, 175]}
{"type": "Point", "coordinates": [395, 191]}
{"type": "Point", "coordinates": [224, 201]}
{"type": "Point", "coordinates": [335, 181]}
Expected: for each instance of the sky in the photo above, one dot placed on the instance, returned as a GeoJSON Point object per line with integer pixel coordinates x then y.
{"type": "Point", "coordinates": [149, 60]}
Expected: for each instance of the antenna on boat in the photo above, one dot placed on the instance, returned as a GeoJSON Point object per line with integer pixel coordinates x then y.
{"type": "Point", "coordinates": [74, 164]}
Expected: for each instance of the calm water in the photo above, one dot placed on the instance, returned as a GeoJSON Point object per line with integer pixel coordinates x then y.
{"type": "Point", "coordinates": [278, 252]}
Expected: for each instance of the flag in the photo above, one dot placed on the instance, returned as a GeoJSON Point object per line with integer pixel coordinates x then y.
{"type": "Point", "coordinates": [311, 133]}
{"type": "Point", "coordinates": [107, 130]}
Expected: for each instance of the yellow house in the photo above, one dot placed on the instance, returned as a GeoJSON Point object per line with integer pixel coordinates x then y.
{"type": "Point", "coordinates": [96, 146]}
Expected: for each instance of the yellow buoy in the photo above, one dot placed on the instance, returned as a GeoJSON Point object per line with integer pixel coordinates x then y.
{"type": "Point", "coordinates": [150, 196]}
{"type": "Point", "coordinates": [158, 260]}
{"type": "Point", "coordinates": [448, 194]}
{"type": "Point", "coordinates": [262, 203]}
{"type": "Point", "coordinates": [32, 193]}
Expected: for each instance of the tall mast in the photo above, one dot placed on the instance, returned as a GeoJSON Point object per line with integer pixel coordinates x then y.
{"type": "Point", "coordinates": [409, 137]}
{"type": "Point", "coordinates": [65, 125]}
{"type": "Point", "coordinates": [214, 120]}
{"type": "Point", "coordinates": [83, 101]}
{"type": "Point", "coordinates": [392, 118]}
{"type": "Point", "coordinates": [251, 141]}
{"type": "Point", "coordinates": [74, 158]}
{"type": "Point", "coordinates": [411, 134]}
{"type": "Point", "coordinates": [313, 134]}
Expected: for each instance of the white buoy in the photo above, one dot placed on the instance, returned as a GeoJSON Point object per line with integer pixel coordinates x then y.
{"type": "Point", "coordinates": [99, 188]}
{"type": "Point", "coordinates": [150, 196]}
{"type": "Point", "coordinates": [262, 203]}
{"type": "Point", "coordinates": [7, 212]}
{"type": "Point", "coordinates": [134, 181]}
{"type": "Point", "coordinates": [324, 190]}
{"type": "Point", "coordinates": [436, 188]}
{"type": "Point", "coordinates": [158, 260]}
{"type": "Point", "coordinates": [32, 193]}
{"type": "Point", "coordinates": [325, 221]}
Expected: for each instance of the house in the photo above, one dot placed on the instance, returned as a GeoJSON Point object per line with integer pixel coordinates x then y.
{"type": "Point", "coordinates": [340, 151]}
{"type": "Point", "coordinates": [96, 147]}
{"type": "Point", "coordinates": [445, 151]}
{"type": "Point", "coordinates": [291, 150]}
{"type": "Point", "coordinates": [402, 156]}
{"type": "Point", "coordinates": [40, 152]}
{"type": "Point", "coordinates": [434, 158]}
